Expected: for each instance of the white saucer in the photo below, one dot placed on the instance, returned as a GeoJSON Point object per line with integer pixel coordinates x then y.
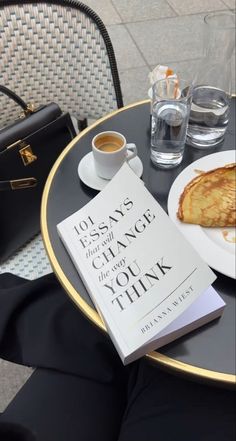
{"type": "Point", "coordinates": [87, 174]}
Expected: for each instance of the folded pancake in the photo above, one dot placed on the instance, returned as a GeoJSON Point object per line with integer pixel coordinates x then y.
{"type": "Point", "coordinates": [210, 199]}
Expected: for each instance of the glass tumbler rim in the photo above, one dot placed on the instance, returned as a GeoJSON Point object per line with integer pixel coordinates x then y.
{"type": "Point", "coordinates": [185, 83]}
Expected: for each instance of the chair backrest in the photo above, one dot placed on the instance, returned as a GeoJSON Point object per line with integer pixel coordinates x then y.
{"type": "Point", "coordinates": [57, 51]}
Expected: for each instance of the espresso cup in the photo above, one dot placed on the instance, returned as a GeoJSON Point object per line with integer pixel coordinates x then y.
{"type": "Point", "coordinates": [110, 151]}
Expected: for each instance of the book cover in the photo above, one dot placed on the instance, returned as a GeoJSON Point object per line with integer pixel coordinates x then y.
{"type": "Point", "coordinates": [139, 270]}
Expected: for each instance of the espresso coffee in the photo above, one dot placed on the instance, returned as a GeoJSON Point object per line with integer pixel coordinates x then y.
{"type": "Point", "coordinates": [109, 144]}
{"type": "Point", "coordinates": [110, 151]}
{"type": "Point", "coordinates": [109, 147]}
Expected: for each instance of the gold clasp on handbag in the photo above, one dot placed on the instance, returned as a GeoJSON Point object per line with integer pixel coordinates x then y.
{"type": "Point", "coordinates": [25, 151]}
{"type": "Point", "coordinates": [27, 154]}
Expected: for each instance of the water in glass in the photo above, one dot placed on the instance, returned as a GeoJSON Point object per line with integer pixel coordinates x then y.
{"type": "Point", "coordinates": [208, 117]}
{"type": "Point", "coordinates": [169, 125]}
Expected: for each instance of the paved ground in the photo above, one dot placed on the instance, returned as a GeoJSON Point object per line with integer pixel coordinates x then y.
{"type": "Point", "coordinates": [144, 33]}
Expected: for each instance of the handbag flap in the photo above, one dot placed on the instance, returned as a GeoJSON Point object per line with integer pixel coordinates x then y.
{"type": "Point", "coordinates": [24, 126]}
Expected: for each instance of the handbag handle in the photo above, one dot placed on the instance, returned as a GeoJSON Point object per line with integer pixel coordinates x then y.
{"type": "Point", "coordinates": [27, 108]}
{"type": "Point", "coordinates": [16, 184]}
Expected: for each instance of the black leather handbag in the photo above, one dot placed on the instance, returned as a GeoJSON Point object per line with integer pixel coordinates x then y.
{"type": "Point", "coordinates": [28, 149]}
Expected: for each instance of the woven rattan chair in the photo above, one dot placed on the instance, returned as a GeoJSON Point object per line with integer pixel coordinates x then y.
{"type": "Point", "coordinates": [57, 51]}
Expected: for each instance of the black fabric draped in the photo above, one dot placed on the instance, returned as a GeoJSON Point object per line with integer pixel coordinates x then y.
{"type": "Point", "coordinates": [41, 327]}
{"type": "Point", "coordinates": [80, 391]}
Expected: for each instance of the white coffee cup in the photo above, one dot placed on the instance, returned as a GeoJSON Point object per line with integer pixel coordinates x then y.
{"type": "Point", "coordinates": [110, 151]}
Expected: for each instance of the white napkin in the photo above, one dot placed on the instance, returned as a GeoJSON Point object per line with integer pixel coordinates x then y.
{"type": "Point", "coordinates": [158, 73]}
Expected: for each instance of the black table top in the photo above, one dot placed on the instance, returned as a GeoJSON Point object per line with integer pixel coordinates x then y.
{"type": "Point", "coordinates": [207, 353]}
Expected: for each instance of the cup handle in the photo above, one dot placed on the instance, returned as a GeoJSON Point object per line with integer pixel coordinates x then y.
{"type": "Point", "coordinates": [131, 151]}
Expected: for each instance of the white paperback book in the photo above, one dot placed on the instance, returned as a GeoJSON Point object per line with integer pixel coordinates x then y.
{"type": "Point", "coordinates": [147, 282]}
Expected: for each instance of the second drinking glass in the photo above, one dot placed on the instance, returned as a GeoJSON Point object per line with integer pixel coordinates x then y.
{"type": "Point", "coordinates": [209, 114]}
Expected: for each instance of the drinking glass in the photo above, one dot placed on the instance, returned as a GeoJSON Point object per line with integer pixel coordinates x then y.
{"type": "Point", "coordinates": [171, 101]}
{"type": "Point", "coordinates": [212, 84]}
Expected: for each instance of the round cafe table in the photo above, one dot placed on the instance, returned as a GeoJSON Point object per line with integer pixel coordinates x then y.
{"type": "Point", "coordinates": [207, 353]}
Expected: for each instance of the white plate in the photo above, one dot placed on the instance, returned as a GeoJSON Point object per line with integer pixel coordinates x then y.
{"type": "Point", "coordinates": [210, 243]}
{"type": "Point", "coordinates": [87, 174]}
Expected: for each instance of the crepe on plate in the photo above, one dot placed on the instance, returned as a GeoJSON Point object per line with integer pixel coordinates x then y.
{"type": "Point", "coordinates": [210, 199]}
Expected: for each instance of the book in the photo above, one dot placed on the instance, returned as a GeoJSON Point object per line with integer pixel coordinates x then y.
{"type": "Point", "coordinates": [147, 282]}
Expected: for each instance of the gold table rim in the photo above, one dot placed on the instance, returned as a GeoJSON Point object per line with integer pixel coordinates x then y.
{"type": "Point", "coordinates": [91, 313]}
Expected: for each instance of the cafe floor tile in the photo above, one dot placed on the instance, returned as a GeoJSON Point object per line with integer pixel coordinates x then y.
{"type": "Point", "coordinates": [12, 378]}
{"type": "Point", "coordinates": [106, 11]}
{"type": "Point", "coordinates": [139, 10]}
{"type": "Point", "coordinates": [134, 90]}
{"type": "Point", "coordinates": [127, 53]}
{"type": "Point", "coordinates": [174, 39]}
{"type": "Point", "coordinates": [185, 7]}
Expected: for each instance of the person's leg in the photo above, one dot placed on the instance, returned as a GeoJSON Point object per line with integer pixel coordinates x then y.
{"type": "Point", "coordinates": [81, 392]}
{"type": "Point", "coordinates": [41, 327]}
{"type": "Point", "coordinates": [62, 407]}
{"type": "Point", "coordinates": [163, 406]}
{"type": "Point", "coordinates": [15, 432]}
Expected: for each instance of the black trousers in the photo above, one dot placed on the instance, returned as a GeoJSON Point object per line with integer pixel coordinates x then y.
{"type": "Point", "coordinates": [80, 391]}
